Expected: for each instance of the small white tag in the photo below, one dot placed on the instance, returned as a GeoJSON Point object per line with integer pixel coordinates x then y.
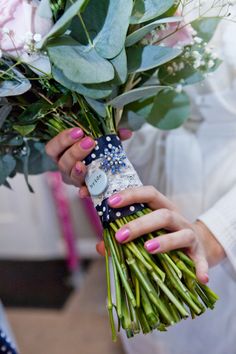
{"type": "Point", "coordinates": [97, 182]}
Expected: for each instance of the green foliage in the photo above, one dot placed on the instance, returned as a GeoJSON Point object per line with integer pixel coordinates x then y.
{"type": "Point", "coordinates": [146, 10]}
{"type": "Point", "coordinates": [7, 166]}
{"type": "Point", "coordinates": [170, 110]}
{"type": "Point", "coordinates": [105, 69]}
{"type": "Point", "coordinates": [206, 27]}
{"type": "Point", "coordinates": [134, 95]}
{"type": "Point", "coordinates": [12, 81]}
{"type": "Point", "coordinates": [81, 64]}
{"type": "Point", "coordinates": [140, 33]}
{"type": "Point", "coordinates": [143, 58]}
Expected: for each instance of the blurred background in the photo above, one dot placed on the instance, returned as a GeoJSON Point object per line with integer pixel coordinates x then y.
{"type": "Point", "coordinates": [53, 284]}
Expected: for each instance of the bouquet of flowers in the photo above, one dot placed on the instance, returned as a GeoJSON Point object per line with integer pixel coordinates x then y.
{"type": "Point", "coordinates": [95, 65]}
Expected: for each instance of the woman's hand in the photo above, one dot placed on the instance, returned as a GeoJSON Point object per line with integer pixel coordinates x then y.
{"type": "Point", "coordinates": [196, 239]}
{"type": "Point", "coordinates": [69, 148]}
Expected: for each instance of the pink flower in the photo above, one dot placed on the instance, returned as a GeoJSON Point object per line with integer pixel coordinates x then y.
{"type": "Point", "coordinates": [21, 25]}
{"type": "Point", "coordinates": [175, 34]}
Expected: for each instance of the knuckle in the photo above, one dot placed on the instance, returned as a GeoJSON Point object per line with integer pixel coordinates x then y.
{"type": "Point", "coordinates": [74, 151]}
{"type": "Point", "coordinates": [190, 235]}
{"type": "Point", "coordinates": [136, 227]}
{"type": "Point", "coordinates": [152, 190]}
{"type": "Point", "coordinates": [166, 215]}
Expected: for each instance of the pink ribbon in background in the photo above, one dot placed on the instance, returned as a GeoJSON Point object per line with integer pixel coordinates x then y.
{"type": "Point", "coordinates": [62, 205]}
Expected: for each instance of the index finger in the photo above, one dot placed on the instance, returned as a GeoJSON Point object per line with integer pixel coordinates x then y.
{"type": "Point", "coordinates": [56, 146]}
{"type": "Point", "coordinates": [145, 194]}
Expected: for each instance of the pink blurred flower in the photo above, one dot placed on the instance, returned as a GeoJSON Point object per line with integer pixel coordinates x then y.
{"type": "Point", "coordinates": [175, 34]}
{"type": "Point", "coordinates": [21, 25]}
{"type": "Point", "coordinates": [172, 36]}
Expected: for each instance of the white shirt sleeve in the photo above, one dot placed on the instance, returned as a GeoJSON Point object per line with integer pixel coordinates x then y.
{"type": "Point", "coordinates": [221, 221]}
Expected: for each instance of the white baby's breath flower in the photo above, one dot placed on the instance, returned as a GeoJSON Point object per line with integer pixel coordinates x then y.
{"type": "Point", "coordinates": [211, 64]}
{"type": "Point", "coordinates": [170, 70]}
{"type": "Point", "coordinates": [198, 40]}
{"type": "Point", "coordinates": [196, 54]}
{"type": "Point", "coordinates": [37, 37]}
{"type": "Point", "coordinates": [0, 53]}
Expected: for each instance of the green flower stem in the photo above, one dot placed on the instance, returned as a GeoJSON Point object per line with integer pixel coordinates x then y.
{"type": "Point", "coordinates": [175, 314]}
{"type": "Point", "coordinates": [204, 298]}
{"type": "Point", "coordinates": [109, 296]}
{"type": "Point", "coordinates": [142, 276]}
{"type": "Point", "coordinates": [126, 320]}
{"type": "Point", "coordinates": [134, 249]}
{"type": "Point", "coordinates": [170, 295]}
{"type": "Point", "coordinates": [151, 316]}
{"type": "Point", "coordinates": [143, 321]}
{"type": "Point", "coordinates": [173, 265]}
{"type": "Point", "coordinates": [117, 289]}
{"type": "Point", "coordinates": [182, 290]}
{"type": "Point", "coordinates": [137, 291]}
{"type": "Point", "coordinates": [209, 292]}
{"type": "Point", "coordinates": [119, 269]}
{"type": "Point", "coordinates": [180, 264]}
{"type": "Point", "coordinates": [150, 260]}
{"type": "Point", "coordinates": [185, 259]}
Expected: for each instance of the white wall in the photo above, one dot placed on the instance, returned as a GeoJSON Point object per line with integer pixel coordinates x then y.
{"type": "Point", "coordinates": [29, 227]}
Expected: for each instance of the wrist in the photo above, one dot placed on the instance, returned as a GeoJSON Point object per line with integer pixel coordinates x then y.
{"type": "Point", "coordinates": [213, 249]}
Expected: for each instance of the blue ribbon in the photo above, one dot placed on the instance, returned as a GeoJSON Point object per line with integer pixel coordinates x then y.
{"type": "Point", "coordinates": [110, 146]}
{"type": "Point", "coordinates": [6, 346]}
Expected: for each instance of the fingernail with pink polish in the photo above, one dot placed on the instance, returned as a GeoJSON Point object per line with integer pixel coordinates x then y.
{"type": "Point", "coordinates": [125, 133]}
{"type": "Point", "coordinates": [87, 143]}
{"type": "Point", "coordinates": [206, 278]}
{"type": "Point", "coordinates": [114, 200]}
{"type": "Point", "coordinates": [122, 235]}
{"type": "Point", "coordinates": [152, 245]}
{"type": "Point", "coordinates": [76, 133]}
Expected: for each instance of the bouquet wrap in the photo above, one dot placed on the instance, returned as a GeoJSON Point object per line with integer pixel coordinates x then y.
{"type": "Point", "coordinates": [109, 172]}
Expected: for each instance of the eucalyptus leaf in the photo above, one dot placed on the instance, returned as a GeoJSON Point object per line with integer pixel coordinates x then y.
{"type": "Point", "coordinates": [110, 40]}
{"type": "Point", "coordinates": [98, 91]}
{"type": "Point", "coordinates": [136, 36]}
{"type": "Point", "coordinates": [81, 64]}
{"type": "Point", "coordinates": [206, 27]}
{"type": "Point", "coordinates": [64, 21]}
{"type": "Point", "coordinates": [15, 85]}
{"type": "Point", "coordinates": [7, 166]}
{"type": "Point", "coordinates": [142, 58]}
{"type": "Point", "coordinates": [134, 95]}
{"type": "Point", "coordinates": [97, 106]}
{"type": "Point", "coordinates": [38, 160]}
{"type": "Point", "coordinates": [170, 110]}
{"type": "Point", "coordinates": [120, 65]}
{"type": "Point", "coordinates": [105, 25]}
{"type": "Point", "coordinates": [146, 10]}
{"type": "Point", "coordinates": [135, 121]}
{"type": "Point", "coordinates": [5, 110]}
